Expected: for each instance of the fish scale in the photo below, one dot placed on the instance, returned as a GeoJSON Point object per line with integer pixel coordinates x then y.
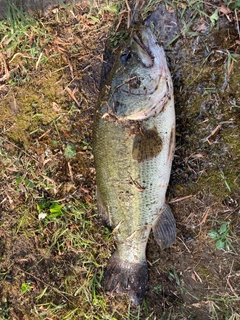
{"type": "Point", "coordinates": [133, 146]}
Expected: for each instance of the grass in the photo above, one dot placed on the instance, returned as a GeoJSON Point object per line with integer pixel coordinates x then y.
{"type": "Point", "coordinates": [53, 248]}
{"type": "Point", "coordinates": [23, 36]}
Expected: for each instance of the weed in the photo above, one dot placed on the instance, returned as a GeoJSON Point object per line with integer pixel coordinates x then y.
{"type": "Point", "coordinates": [148, 7]}
{"type": "Point", "coordinates": [158, 289]}
{"type": "Point", "coordinates": [233, 4]}
{"type": "Point", "coordinates": [173, 276]}
{"type": "Point", "coordinates": [235, 316]}
{"type": "Point", "coordinates": [234, 103]}
{"type": "Point", "coordinates": [214, 18]}
{"type": "Point", "coordinates": [225, 181]}
{"type": "Point", "coordinates": [4, 309]}
{"type": "Point", "coordinates": [70, 151]}
{"type": "Point", "coordinates": [222, 237]}
{"type": "Point", "coordinates": [118, 37]}
{"type": "Point", "coordinates": [26, 287]}
{"type": "Point", "coordinates": [109, 7]}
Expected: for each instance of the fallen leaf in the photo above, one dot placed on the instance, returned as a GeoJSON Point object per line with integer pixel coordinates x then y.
{"type": "Point", "coordinates": [56, 107]}
{"type": "Point", "coordinates": [202, 27]}
{"type": "Point", "coordinates": [193, 277]}
{"type": "Point", "coordinates": [170, 9]}
{"type": "Point", "coordinates": [224, 10]}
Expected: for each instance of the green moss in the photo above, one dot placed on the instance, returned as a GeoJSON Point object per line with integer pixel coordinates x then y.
{"type": "Point", "coordinates": [204, 272]}
{"type": "Point", "coordinates": [28, 108]}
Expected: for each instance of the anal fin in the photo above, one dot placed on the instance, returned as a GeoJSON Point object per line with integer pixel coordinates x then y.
{"type": "Point", "coordinates": [164, 230]}
{"type": "Point", "coordinates": [102, 210]}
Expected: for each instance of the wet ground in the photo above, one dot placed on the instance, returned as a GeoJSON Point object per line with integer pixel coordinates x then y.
{"type": "Point", "coordinates": [49, 108]}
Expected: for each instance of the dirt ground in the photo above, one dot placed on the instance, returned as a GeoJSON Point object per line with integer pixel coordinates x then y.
{"type": "Point", "coordinates": [53, 247]}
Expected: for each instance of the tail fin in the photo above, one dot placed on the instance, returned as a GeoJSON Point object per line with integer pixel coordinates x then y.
{"type": "Point", "coordinates": [164, 230]}
{"type": "Point", "coordinates": [122, 276]}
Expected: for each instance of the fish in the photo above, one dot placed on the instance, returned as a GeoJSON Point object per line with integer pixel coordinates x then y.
{"type": "Point", "coordinates": [133, 148]}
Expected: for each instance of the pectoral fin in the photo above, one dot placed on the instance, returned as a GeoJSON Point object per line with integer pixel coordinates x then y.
{"type": "Point", "coordinates": [164, 230]}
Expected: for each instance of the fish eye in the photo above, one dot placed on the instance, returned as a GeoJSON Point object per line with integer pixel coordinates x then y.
{"type": "Point", "coordinates": [125, 57]}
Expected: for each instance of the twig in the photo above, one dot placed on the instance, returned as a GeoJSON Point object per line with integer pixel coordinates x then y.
{"type": "Point", "coordinates": [215, 130]}
{"type": "Point", "coordinates": [184, 244]}
{"type": "Point", "coordinates": [44, 134]}
{"type": "Point", "coordinates": [70, 171]}
{"type": "Point", "coordinates": [180, 199]}
{"type": "Point", "coordinates": [197, 276]}
{"type": "Point", "coordinates": [212, 133]}
{"type": "Point", "coordinates": [204, 217]}
{"type": "Point", "coordinates": [7, 73]}
{"type": "Point", "coordinates": [230, 286]}
{"type": "Point", "coordinates": [129, 14]}
{"type": "Point", "coordinates": [238, 29]}
{"type": "Point", "coordinates": [72, 95]}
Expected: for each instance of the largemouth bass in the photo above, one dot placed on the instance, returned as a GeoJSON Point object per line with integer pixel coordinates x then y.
{"type": "Point", "coordinates": [133, 145]}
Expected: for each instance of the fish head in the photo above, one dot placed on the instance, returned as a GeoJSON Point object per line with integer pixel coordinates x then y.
{"type": "Point", "coordinates": [140, 83]}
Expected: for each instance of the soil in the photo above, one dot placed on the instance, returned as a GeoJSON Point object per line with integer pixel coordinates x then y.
{"type": "Point", "coordinates": [192, 279]}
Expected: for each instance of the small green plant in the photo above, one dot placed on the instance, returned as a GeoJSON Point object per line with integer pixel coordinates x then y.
{"type": "Point", "coordinates": [173, 276]}
{"type": "Point", "coordinates": [52, 211]}
{"type": "Point", "coordinates": [4, 309]}
{"type": "Point", "coordinates": [234, 4]}
{"type": "Point", "coordinates": [158, 289]}
{"type": "Point", "coordinates": [225, 181]}
{"type": "Point", "coordinates": [118, 37]}
{"type": "Point", "coordinates": [25, 287]}
{"type": "Point", "coordinates": [86, 146]}
{"type": "Point", "coordinates": [214, 18]}
{"type": "Point", "coordinates": [70, 151]}
{"type": "Point", "coordinates": [222, 237]}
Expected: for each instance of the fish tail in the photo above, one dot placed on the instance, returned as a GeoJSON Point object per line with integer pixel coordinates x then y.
{"type": "Point", "coordinates": [124, 277]}
{"type": "Point", "coordinates": [164, 230]}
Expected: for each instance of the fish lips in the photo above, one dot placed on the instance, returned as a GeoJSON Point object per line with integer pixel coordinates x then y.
{"type": "Point", "coordinates": [143, 43]}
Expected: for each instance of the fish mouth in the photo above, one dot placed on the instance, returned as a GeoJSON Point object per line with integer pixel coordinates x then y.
{"type": "Point", "coordinates": [140, 44]}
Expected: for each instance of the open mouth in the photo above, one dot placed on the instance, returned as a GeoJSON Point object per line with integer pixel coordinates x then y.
{"type": "Point", "coordinates": [140, 46]}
